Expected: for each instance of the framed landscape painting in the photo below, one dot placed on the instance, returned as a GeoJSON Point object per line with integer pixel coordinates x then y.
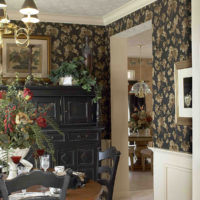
{"type": "Point", "coordinates": [16, 59]}
{"type": "Point", "coordinates": [183, 92]}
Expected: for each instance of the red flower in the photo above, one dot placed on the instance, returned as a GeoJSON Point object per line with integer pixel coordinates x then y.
{"type": "Point", "coordinates": [135, 117]}
{"type": "Point", "coordinates": [28, 94]}
{"type": "Point", "coordinates": [2, 94]}
{"type": "Point", "coordinates": [149, 119]}
{"type": "Point", "coordinates": [41, 122]}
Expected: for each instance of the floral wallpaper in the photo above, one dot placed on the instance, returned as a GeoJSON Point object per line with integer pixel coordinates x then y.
{"type": "Point", "coordinates": [171, 21]}
{"type": "Point", "coordinates": [67, 41]}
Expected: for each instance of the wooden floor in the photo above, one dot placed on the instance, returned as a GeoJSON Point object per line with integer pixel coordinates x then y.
{"type": "Point", "coordinates": [141, 186]}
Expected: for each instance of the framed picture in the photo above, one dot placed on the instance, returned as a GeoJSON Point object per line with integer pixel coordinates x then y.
{"type": "Point", "coordinates": [16, 59]}
{"type": "Point", "coordinates": [183, 92]}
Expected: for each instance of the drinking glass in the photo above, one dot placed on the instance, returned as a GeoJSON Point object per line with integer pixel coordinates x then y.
{"type": "Point", "coordinates": [45, 162]}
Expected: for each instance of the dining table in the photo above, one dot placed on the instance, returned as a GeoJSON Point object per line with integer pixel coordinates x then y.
{"type": "Point", "coordinates": [141, 141]}
{"type": "Point", "coordinates": [90, 191]}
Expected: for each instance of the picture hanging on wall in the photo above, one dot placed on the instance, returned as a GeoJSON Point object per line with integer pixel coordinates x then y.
{"type": "Point", "coordinates": [16, 59]}
{"type": "Point", "coordinates": [183, 92]}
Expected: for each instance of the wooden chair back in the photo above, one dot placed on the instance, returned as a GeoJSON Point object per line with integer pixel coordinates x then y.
{"type": "Point", "coordinates": [114, 155]}
{"type": "Point", "coordinates": [46, 179]}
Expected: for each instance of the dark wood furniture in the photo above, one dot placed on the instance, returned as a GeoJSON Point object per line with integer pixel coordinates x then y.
{"type": "Point", "coordinates": [47, 179]}
{"type": "Point", "coordinates": [141, 142]}
{"type": "Point", "coordinates": [114, 155]}
{"type": "Point", "coordinates": [72, 108]}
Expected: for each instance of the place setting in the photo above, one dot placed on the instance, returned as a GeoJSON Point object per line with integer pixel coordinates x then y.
{"type": "Point", "coordinates": [78, 179]}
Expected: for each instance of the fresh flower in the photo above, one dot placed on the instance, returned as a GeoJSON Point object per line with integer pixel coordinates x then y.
{"type": "Point", "coordinates": [41, 122]}
{"type": "Point", "coordinates": [140, 120]}
{"type": "Point", "coordinates": [22, 118]}
{"type": "Point", "coordinates": [21, 122]}
{"type": "Point", "coordinates": [28, 94]}
{"type": "Point", "coordinates": [2, 94]}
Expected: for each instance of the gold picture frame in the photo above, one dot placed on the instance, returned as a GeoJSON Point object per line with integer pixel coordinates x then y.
{"type": "Point", "coordinates": [183, 92]}
{"type": "Point", "coordinates": [15, 59]}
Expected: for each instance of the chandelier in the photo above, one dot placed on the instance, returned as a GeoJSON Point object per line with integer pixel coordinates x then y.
{"type": "Point", "coordinates": [140, 89]}
{"type": "Point", "coordinates": [21, 34]}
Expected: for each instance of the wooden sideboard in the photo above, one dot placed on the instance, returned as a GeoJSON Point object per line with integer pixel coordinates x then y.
{"type": "Point", "coordinates": [73, 110]}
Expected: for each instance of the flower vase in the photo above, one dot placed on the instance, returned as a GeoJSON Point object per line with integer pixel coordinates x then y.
{"type": "Point", "coordinates": [142, 131]}
{"type": "Point", "coordinates": [67, 81]}
{"type": "Point", "coordinates": [6, 157]}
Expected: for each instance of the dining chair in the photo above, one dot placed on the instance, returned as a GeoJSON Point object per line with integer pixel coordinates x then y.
{"type": "Point", "coordinates": [113, 155]}
{"type": "Point", "coordinates": [46, 179]}
{"type": "Point", "coordinates": [146, 153]}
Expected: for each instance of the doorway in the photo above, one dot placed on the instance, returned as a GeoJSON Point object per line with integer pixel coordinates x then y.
{"type": "Point", "coordinates": [120, 59]}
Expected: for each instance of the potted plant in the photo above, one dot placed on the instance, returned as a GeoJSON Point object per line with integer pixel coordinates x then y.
{"type": "Point", "coordinates": [79, 73]}
{"type": "Point", "coordinates": [21, 124]}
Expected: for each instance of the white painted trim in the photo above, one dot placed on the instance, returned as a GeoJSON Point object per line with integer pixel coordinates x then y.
{"type": "Point", "coordinates": [196, 98]}
{"type": "Point", "coordinates": [45, 17]}
{"type": "Point", "coordinates": [175, 153]}
{"type": "Point", "coordinates": [105, 20]}
{"type": "Point", "coordinates": [169, 167]}
{"type": "Point", "coordinates": [126, 9]}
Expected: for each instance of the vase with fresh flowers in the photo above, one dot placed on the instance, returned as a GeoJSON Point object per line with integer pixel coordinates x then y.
{"type": "Point", "coordinates": [139, 120]}
{"type": "Point", "coordinates": [21, 123]}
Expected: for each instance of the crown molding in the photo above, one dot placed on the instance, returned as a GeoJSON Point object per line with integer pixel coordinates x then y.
{"type": "Point", "coordinates": [124, 10]}
{"type": "Point", "coordinates": [45, 17]}
{"type": "Point", "coordinates": [114, 15]}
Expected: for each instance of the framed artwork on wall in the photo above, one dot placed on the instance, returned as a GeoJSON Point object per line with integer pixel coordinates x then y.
{"type": "Point", "coordinates": [183, 92]}
{"type": "Point", "coordinates": [16, 59]}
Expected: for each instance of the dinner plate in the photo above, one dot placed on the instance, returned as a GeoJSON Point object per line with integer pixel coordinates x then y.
{"type": "Point", "coordinates": [18, 196]}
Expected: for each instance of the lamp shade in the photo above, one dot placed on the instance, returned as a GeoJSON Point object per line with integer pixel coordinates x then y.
{"type": "Point", "coordinates": [140, 89]}
{"type": "Point", "coordinates": [30, 19]}
{"type": "Point", "coordinates": [29, 8]}
{"type": "Point", "coordinates": [2, 4]}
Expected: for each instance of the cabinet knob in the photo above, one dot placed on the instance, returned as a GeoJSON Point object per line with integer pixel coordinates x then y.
{"type": "Point", "coordinates": [66, 111]}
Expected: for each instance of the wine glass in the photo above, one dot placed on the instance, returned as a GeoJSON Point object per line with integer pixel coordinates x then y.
{"type": "Point", "coordinates": [13, 167]}
{"type": "Point", "coordinates": [44, 162]}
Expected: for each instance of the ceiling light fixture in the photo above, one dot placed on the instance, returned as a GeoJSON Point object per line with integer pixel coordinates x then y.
{"type": "Point", "coordinates": [22, 35]}
{"type": "Point", "coordinates": [140, 89]}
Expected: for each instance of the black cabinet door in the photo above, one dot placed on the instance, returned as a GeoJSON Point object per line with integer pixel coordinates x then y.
{"type": "Point", "coordinates": [53, 106]}
{"type": "Point", "coordinates": [78, 110]}
{"type": "Point", "coordinates": [87, 160]}
{"type": "Point", "coordinates": [67, 157]}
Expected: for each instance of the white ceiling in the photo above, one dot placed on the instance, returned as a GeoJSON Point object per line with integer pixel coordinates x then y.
{"type": "Point", "coordinates": [138, 35]}
{"type": "Point", "coordinates": [145, 39]}
{"type": "Point", "coordinates": [98, 12]}
{"type": "Point", "coordinates": [72, 7]}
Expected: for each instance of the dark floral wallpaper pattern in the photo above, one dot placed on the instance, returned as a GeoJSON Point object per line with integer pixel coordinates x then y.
{"type": "Point", "coordinates": [67, 41]}
{"type": "Point", "coordinates": [171, 21]}
{"type": "Point", "coordinates": [171, 39]}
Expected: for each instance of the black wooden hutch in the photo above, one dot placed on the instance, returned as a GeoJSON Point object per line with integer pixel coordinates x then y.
{"type": "Point", "coordinates": [73, 110]}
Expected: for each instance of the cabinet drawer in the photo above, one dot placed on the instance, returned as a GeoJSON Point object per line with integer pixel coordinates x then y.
{"type": "Point", "coordinates": [73, 136]}
{"type": "Point", "coordinates": [55, 137]}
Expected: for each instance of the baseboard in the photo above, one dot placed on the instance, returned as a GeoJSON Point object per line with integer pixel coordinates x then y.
{"type": "Point", "coordinates": [172, 175]}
